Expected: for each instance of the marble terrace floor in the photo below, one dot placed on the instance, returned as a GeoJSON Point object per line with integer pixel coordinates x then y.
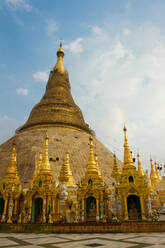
{"type": "Point", "coordinates": [111, 240]}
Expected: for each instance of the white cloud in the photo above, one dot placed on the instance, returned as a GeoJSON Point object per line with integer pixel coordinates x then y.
{"type": "Point", "coordinates": [19, 4]}
{"type": "Point", "coordinates": [121, 79]}
{"type": "Point", "coordinates": [41, 76]}
{"type": "Point", "coordinates": [22, 92]}
{"type": "Point", "coordinates": [126, 31]}
{"type": "Point", "coordinates": [75, 46]}
{"type": "Point", "coordinates": [51, 26]}
{"type": "Point", "coordinates": [96, 30]}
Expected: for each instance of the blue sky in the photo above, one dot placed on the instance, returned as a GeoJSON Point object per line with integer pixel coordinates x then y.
{"type": "Point", "coordinates": [115, 56]}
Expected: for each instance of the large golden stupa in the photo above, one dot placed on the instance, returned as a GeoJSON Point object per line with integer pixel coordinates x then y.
{"type": "Point", "coordinates": [60, 179]}
{"type": "Point", "coordinates": [58, 115]}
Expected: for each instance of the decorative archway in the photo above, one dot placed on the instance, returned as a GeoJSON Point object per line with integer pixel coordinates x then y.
{"type": "Point", "coordinates": [134, 208]}
{"type": "Point", "coordinates": [90, 204]}
{"type": "Point", "coordinates": [37, 210]}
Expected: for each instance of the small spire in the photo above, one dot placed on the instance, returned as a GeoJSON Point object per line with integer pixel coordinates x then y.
{"type": "Point", "coordinates": [97, 164]}
{"type": "Point", "coordinates": [128, 160]}
{"type": "Point", "coordinates": [66, 173]}
{"type": "Point", "coordinates": [12, 167]}
{"type": "Point", "coordinates": [153, 176]}
{"type": "Point", "coordinates": [157, 172]}
{"type": "Point", "coordinates": [92, 168]}
{"type": "Point", "coordinates": [46, 164]}
{"type": "Point", "coordinates": [115, 172]}
{"type": "Point", "coordinates": [39, 161]}
{"type": "Point", "coordinates": [60, 65]}
{"type": "Point", "coordinates": [91, 153]}
{"type": "Point", "coordinates": [140, 169]}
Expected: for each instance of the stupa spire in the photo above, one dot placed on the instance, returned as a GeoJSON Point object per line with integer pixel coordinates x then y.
{"type": "Point", "coordinates": [57, 107]}
{"type": "Point", "coordinates": [39, 164]}
{"type": "Point", "coordinates": [140, 169]}
{"type": "Point", "coordinates": [91, 152]}
{"type": "Point", "coordinates": [157, 172]}
{"type": "Point", "coordinates": [92, 168]}
{"type": "Point", "coordinates": [45, 163]}
{"type": "Point", "coordinates": [97, 164]}
{"type": "Point", "coordinates": [128, 160]}
{"type": "Point", "coordinates": [115, 172]}
{"type": "Point", "coordinates": [60, 65]}
{"type": "Point", "coordinates": [12, 167]}
{"type": "Point", "coordinates": [153, 176]}
{"type": "Point", "coordinates": [66, 173]}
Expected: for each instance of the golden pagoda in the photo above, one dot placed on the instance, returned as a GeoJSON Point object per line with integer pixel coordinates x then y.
{"type": "Point", "coordinates": [132, 190]}
{"type": "Point", "coordinates": [50, 189]}
{"type": "Point", "coordinates": [43, 195]}
{"type": "Point", "coordinates": [59, 116]}
{"type": "Point", "coordinates": [10, 190]}
{"type": "Point", "coordinates": [92, 192]}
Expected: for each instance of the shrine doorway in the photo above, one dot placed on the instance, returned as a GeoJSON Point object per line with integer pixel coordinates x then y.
{"type": "Point", "coordinates": [134, 208]}
{"type": "Point", "coordinates": [91, 208]}
{"type": "Point", "coordinates": [2, 203]}
{"type": "Point", "coordinates": [21, 206]}
{"type": "Point", "coordinates": [37, 209]}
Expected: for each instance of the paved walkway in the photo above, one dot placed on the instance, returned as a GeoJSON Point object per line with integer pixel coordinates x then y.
{"type": "Point", "coordinates": [107, 240]}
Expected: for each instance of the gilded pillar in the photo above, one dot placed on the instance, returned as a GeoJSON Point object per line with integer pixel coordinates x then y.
{"type": "Point", "coordinates": [125, 208]}
{"type": "Point", "coordinates": [83, 210]}
{"type": "Point", "coordinates": [142, 208]}
{"type": "Point", "coordinates": [30, 210]}
{"type": "Point", "coordinates": [44, 210]}
{"type": "Point", "coordinates": [4, 211]}
{"type": "Point", "coordinates": [97, 210]}
{"type": "Point", "coordinates": [48, 205]}
{"type": "Point", "coordinates": [102, 206]}
{"type": "Point", "coordinates": [10, 213]}
{"type": "Point", "coordinates": [53, 206]}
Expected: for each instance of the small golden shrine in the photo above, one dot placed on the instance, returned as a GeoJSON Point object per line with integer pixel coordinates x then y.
{"type": "Point", "coordinates": [92, 192]}
{"type": "Point", "coordinates": [132, 191]}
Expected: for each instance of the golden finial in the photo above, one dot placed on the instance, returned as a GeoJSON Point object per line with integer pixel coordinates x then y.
{"type": "Point", "coordinates": [125, 129]}
{"type": "Point", "coordinates": [140, 169]}
{"type": "Point", "coordinates": [125, 134]}
{"type": "Point", "coordinates": [60, 51]}
{"type": "Point", "coordinates": [60, 65]}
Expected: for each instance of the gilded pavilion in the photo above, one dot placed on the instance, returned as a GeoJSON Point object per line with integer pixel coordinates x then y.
{"type": "Point", "coordinates": [55, 170]}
